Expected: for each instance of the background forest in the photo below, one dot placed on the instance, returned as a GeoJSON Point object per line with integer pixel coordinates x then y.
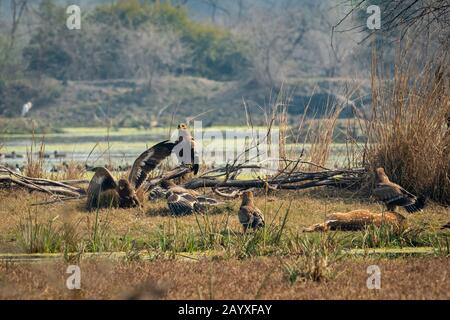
{"type": "Point", "coordinates": [135, 63]}
{"type": "Point", "coordinates": [140, 63]}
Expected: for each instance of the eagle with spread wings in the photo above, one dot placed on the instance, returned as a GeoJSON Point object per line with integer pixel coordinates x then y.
{"type": "Point", "coordinates": [104, 191]}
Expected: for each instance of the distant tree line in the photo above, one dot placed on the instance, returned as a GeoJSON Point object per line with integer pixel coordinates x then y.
{"type": "Point", "coordinates": [260, 43]}
{"type": "Point", "coordinates": [131, 39]}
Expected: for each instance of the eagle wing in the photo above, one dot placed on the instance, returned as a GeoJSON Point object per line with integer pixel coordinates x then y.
{"type": "Point", "coordinates": [394, 195]}
{"type": "Point", "coordinates": [258, 218]}
{"type": "Point", "coordinates": [181, 204]}
{"type": "Point", "coordinates": [100, 182]}
{"type": "Point", "coordinates": [195, 157]}
{"type": "Point", "coordinates": [194, 161]}
{"type": "Point", "coordinates": [148, 161]}
{"type": "Point", "coordinates": [245, 215]}
{"type": "Point", "coordinates": [390, 193]}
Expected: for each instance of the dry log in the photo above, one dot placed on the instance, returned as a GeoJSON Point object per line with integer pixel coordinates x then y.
{"type": "Point", "coordinates": [283, 179]}
{"type": "Point", "coordinates": [50, 187]}
{"type": "Point", "coordinates": [29, 186]}
{"type": "Point", "coordinates": [294, 181]}
{"type": "Point", "coordinates": [75, 182]}
{"type": "Point", "coordinates": [233, 195]}
{"type": "Point", "coordinates": [173, 174]}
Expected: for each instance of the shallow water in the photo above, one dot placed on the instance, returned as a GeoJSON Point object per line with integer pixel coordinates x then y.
{"type": "Point", "coordinates": [97, 146]}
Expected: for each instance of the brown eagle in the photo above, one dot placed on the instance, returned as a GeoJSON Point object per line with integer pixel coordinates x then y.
{"type": "Point", "coordinates": [182, 201]}
{"type": "Point", "coordinates": [103, 191]}
{"type": "Point", "coordinates": [186, 151]}
{"type": "Point", "coordinates": [393, 195]}
{"type": "Point", "coordinates": [249, 215]}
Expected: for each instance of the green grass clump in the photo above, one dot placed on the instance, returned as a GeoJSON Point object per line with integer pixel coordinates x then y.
{"type": "Point", "coordinates": [387, 236]}
{"type": "Point", "coordinates": [46, 237]}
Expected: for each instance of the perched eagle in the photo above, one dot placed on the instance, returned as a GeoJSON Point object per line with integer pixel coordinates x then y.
{"type": "Point", "coordinates": [357, 220]}
{"type": "Point", "coordinates": [182, 201]}
{"type": "Point", "coordinates": [103, 191]}
{"type": "Point", "coordinates": [249, 215]}
{"type": "Point", "coordinates": [185, 149]}
{"type": "Point", "coordinates": [394, 195]}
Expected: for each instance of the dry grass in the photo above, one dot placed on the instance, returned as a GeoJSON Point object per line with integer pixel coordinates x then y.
{"type": "Point", "coordinates": [322, 137]}
{"type": "Point", "coordinates": [73, 171]}
{"type": "Point", "coordinates": [317, 259]}
{"type": "Point", "coordinates": [408, 133]}
{"type": "Point", "coordinates": [44, 237]}
{"type": "Point", "coordinates": [35, 166]}
{"type": "Point", "coordinates": [227, 279]}
{"type": "Point", "coordinates": [279, 262]}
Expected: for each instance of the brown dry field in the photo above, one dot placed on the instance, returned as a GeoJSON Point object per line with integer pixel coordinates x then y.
{"type": "Point", "coordinates": [262, 277]}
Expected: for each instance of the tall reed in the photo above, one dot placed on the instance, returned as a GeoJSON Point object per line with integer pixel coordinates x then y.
{"type": "Point", "coordinates": [408, 133]}
{"type": "Point", "coordinates": [35, 166]}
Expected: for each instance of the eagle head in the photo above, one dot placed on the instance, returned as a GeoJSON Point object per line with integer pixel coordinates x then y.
{"type": "Point", "coordinates": [125, 188]}
{"type": "Point", "coordinates": [381, 175]}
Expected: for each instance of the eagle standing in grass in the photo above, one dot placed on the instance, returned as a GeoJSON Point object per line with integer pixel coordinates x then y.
{"type": "Point", "coordinates": [182, 201]}
{"type": "Point", "coordinates": [186, 152]}
{"type": "Point", "coordinates": [104, 191]}
{"type": "Point", "coordinates": [249, 215]}
{"type": "Point", "coordinates": [393, 195]}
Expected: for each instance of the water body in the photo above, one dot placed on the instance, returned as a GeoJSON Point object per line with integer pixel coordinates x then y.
{"type": "Point", "coordinates": [98, 146]}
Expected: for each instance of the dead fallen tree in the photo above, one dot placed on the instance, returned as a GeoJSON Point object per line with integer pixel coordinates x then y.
{"type": "Point", "coordinates": [55, 189]}
{"type": "Point", "coordinates": [288, 181]}
{"type": "Point", "coordinates": [64, 190]}
{"type": "Point", "coordinates": [220, 180]}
